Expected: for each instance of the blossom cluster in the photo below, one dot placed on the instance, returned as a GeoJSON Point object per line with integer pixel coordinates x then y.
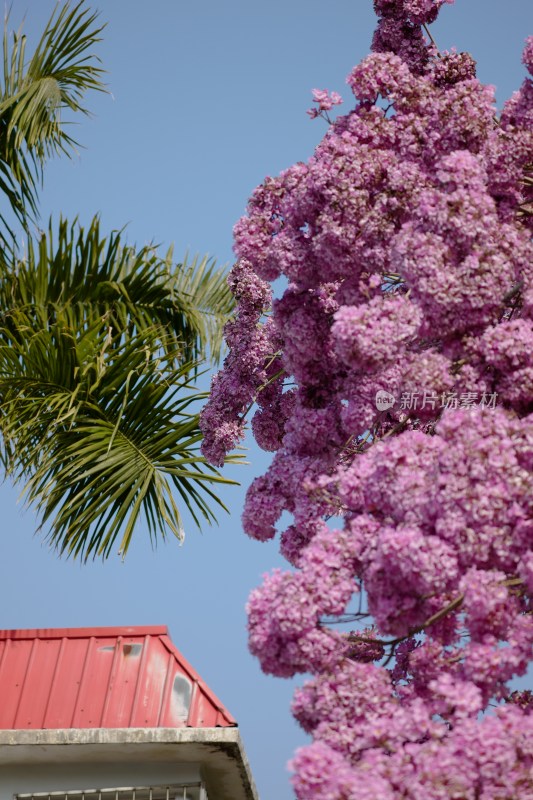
{"type": "Point", "coordinates": [325, 101]}
{"type": "Point", "coordinates": [405, 244]}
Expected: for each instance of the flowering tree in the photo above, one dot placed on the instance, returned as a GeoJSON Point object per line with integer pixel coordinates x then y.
{"type": "Point", "coordinates": [394, 384]}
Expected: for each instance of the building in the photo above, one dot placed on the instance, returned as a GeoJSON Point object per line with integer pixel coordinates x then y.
{"type": "Point", "coordinates": [112, 714]}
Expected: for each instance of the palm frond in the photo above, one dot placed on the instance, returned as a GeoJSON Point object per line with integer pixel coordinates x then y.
{"type": "Point", "coordinates": [33, 94]}
{"type": "Point", "coordinates": [80, 277]}
{"type": "Point", "coordinates": [99, 341]}
{"type": "Point", "coordinates": [202, 293]}
{"type": "Point", "coordinates": [96, 456]}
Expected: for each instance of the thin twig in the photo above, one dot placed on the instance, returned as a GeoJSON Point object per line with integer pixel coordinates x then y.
{"type": "Point", "coordinates": [432, 40]}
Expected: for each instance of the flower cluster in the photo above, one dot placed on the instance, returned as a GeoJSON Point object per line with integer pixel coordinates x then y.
{"type": "Point", "coordinates": [325, 101]}
{"type": "Point", "coordinates": [405, 244]}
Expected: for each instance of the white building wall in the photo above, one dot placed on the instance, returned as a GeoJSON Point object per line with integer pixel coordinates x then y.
{"type": "Point", "coordinates": [77, 776]}
{"type": "Point", "coordinates": [70, 760]}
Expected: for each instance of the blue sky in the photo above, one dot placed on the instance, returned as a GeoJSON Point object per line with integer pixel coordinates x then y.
{"type": "Point", "coordinates": [207, 98]}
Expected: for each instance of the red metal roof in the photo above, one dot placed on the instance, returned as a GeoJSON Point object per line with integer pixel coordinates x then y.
{"type": "Point", "coordinates": [101, 678]}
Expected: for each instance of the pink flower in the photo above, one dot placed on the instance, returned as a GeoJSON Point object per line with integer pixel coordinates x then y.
{"type": "Point", "coordinates": [527, 56]}
{"type": "Point", "coordinates": [325, 101]}
{"type": "Point", "coordinates": [407, 261]}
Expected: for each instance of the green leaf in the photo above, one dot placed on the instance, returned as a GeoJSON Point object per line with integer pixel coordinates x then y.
{"type": "Point", "coordinates": [34, 94]}
{"type": "Point", "coordinates": [99, 341]}
{"type": "Point", "coordinates": [98, 413]}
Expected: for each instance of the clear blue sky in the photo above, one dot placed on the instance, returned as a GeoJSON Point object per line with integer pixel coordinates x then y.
{"type": "Point", "coordinates": [208, 98]}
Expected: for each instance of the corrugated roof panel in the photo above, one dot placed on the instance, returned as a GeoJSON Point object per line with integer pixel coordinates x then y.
{"type": "Point", "coordinates": [166, 692]}
{"type": "Point", "coordinates": [101, 678]}
{"type": "Point", "coordinates": [93, 681]}
{"type": "Point", "coordinates": [125, 673]}
{"type": "Point", "coordinates": [65, 684]}
{"type": "Point", "coordinates": [13, 675]}
{"type": "Point", "coordinates": [35, 690]}
{"type": "Point", "coordinates": [146, 705]}
{"type": "Point", "coordinates": [205, 708]}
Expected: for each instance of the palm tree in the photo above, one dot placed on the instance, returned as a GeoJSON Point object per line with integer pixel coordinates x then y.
{"type": "Point", "coordinates": [100, 343]}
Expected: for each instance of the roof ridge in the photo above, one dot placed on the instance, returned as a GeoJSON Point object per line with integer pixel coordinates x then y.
{"type": "Point", "coordinates": [84, 633]}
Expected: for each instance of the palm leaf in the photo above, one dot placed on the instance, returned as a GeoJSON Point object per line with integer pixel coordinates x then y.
{"type": "Point", "coordinates": [204, 296]}
{"type": "Point", "coordinates": [98, 339]}
{"type": "Point", "coordinates": [33, 95]}
{"type": "Point", "coordinates": [79, 277]}
{"type": "Point", "coordinates": [96, 460]}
